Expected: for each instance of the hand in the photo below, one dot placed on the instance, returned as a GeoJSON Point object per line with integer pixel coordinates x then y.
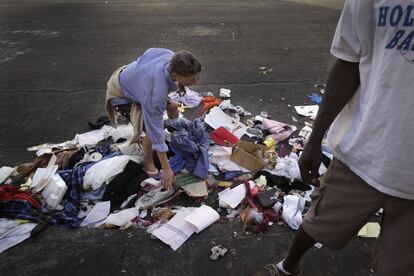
{"type": "Point", "coordinates": [309, 163]}
{"type": "Point", "coordinates": [172, 110]}
{"type": "Point", "coordinates": [167, 178]}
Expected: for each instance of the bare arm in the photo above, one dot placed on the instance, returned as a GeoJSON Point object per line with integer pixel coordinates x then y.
{"type": "Point", "coordinates": [342, 84]}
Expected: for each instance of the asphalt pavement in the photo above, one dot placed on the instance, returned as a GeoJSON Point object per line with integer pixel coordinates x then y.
{"type": "Point", "coordinates": [55, 59]}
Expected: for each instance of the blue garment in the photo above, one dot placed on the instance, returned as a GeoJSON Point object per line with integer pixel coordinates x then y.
{"type": "Point", "coordinates": [93, 194]}
{"type": "Point", "coordinates": [231, 175]}
{"type": "Point", "coordinates": [191, 141]}
{"type": "Point", "coordinates": [316, 98]}
{"type": "Point", "coordinates": [148, 82]}
{"type": "Point", "coordinates": [177, 162]}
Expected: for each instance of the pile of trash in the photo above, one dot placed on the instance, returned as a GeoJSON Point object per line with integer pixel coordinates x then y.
{"type": "Point", "coordinates": [232, 164]}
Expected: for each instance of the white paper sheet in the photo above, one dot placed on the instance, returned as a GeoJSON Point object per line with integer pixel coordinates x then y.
{"type": "Point", "coordinates": [12, 232]}
{"type": "Point", "coordinates": [5, 172]}
{"type": "Point", "coordinates": [202, 217]}
{"type": "Point", "coordinates": [122, 217]}
{"type": "Point", "coordinates": [229, 166]}
{"type": "Point", "coordinates": [218, 153]}
{"type": "Point", "coordinates": [92, 137]}
{"type": "Point", "coordinates": [177, 230]}
{"type": "Point", "coordinates": [233, 197]}
{"type": "Point", "coordinates": [97, 215]}
{"type": "Point", "coordinates": [307, 110]}
{"type": "Point", "coordinates": [217, 118]}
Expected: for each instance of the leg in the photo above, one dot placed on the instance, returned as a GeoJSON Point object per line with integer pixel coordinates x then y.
{"type": "Point", "coordinates": [149, 166]}
{"type": "Point", "coordinates": [300, 245]}
{"type": "Point", "coordinates": [395, 248]}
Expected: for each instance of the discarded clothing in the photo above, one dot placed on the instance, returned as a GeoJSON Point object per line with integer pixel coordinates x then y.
{"type": "Point", "coordinates": [189, 98]}
{"type": "Point", "coordinates": [104, 171]}
{"type": "Point", "coordinates": [279, 131]}
{"type": "Point", "coordinates": [9, 192]}
{"type": "Point", "coordinates": [93, 195]}
{"type": "Point", "coordinates": [283, 183]}
{"type": "Point", "coordinates": [293, 206]}
{"type": "Point", "coordinates": [124, 184]}
{"type": "Point", "coordinates": [100, 122]}
{"type": "Point", "coordinates": [208, 103]}
{"type": "Point", "coordinates": [191, 140]}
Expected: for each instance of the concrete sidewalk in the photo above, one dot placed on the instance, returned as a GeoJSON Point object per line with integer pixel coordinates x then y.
{"type": "Point", "coordinates": [55, 58]}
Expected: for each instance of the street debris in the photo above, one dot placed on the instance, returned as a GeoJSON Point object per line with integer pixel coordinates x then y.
{"type": "Point", "coordinates": [232, 165]}
{"type": "Point", "coordinates": [217, 251]}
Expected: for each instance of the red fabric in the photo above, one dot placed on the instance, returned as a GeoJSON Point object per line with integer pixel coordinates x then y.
{"type": "Point", "coordinates": [268, 214]}
{"type": "Point", "coordinates": [223, 137]}
{"type": "Point", "coordinates": [209, 102]}
{"type": "Point", "coordinates": [9, 192]}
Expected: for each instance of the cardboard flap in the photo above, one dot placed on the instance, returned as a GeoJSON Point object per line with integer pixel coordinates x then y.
{"type": "Point", "coordinates": [248, 155]}
{"type": "Point", "coordinates": [251, 148]}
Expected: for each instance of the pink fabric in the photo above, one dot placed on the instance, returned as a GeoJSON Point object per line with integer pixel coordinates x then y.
{"type": "Point", "coordinates": [189, 99]}
{"type": "Point", "coordinates": [279, 131]}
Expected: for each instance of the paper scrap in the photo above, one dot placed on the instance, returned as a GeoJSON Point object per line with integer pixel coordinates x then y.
{"type": "Point", "coordinates": [233, 197]}
{"type": "Point", "coordinates": [217, 118]}
{"type": "Point", "coordinates": [5, 172]}
{"type": "Point", "coordinates": [97, 215]}
{"type": "Point", "coordinates": [225, 93]}
{"type": "Point", "coordinates": [123, 217]}
{"type": "Point", "coordinates": [202, 217]}
{"type": "Point", "coordinates": [370, 230]}
{"type": "Point", "coordinates": [307, 110]}
{"type": "Point", "coordinates": [177, 230]}
{"type": "Point", "coordinates": [217, 251]}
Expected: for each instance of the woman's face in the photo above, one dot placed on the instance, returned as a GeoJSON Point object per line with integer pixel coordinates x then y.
{"type": "Point", "coordinates": [186, 81]}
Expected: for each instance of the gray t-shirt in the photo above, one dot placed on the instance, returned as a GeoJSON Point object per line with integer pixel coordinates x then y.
{"type": "Point", "coordinates": [374, 133]}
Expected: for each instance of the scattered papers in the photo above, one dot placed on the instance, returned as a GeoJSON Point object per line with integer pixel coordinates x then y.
{"type": "Point", "coordinates": [177, 230]}
{"type": "Point", "coordinates": [97, 215]}
{"type": "Point", "coordinates": [5, 172]}
{"type": "Point", "coordinates": [184, 224]}
{"type": "Point", "coordinates": [370, 230]}
{"type": "Point", "coordinates": [233, 197]}
{"type": "Point", "coordinates": [217, 118]}
{"type": "Point", "coordinates": [225, 93]}
{"type": "Point", "coordinates": [123, 217]}
{"type": "Point", "coordinates": [307, 110]}
{"type": "Point", "coordinates": [202, 217]}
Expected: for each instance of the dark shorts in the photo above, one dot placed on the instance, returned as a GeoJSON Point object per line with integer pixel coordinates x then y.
{"type": "Point", "coordinates": [342, 206]}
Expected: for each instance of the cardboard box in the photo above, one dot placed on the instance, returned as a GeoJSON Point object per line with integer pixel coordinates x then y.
{"type": "Point", "coordinates": [248, 155]}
